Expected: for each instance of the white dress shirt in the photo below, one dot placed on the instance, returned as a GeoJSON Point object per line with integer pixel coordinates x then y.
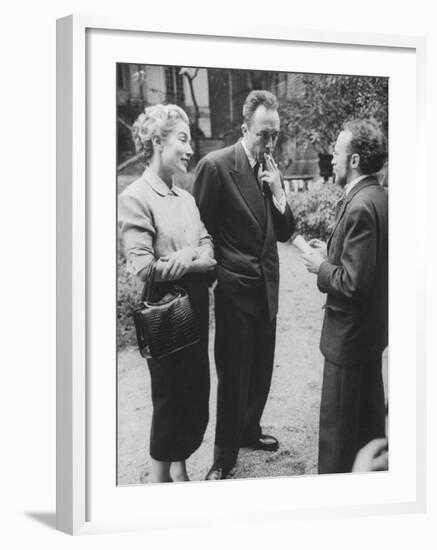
{"type": "Point", "coordinates": [279, 204]}
{"type": "Point", "coordinates": [348, 187]}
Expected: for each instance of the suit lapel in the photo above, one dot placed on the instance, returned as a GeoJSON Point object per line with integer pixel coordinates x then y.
{"type": "Point", "coordinates": [337, 221]}
{"type": "Point", "coordinates": [371, 180]}
{"type": "Point", "coordinates": [247, 185]}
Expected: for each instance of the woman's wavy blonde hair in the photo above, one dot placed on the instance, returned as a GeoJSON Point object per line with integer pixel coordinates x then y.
{"type": "Point", "coordinates": [157, 120]}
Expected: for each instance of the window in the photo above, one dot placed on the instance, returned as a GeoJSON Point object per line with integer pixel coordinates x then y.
{"type": "Point", "coordinates": [174, 86]}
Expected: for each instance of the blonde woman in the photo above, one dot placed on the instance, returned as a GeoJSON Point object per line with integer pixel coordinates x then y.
{"type": "Point", "coordinates": [161, 222]}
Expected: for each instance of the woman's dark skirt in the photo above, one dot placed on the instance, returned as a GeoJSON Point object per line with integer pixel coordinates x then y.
{"type": "Point", "coordinates": [180, 387]}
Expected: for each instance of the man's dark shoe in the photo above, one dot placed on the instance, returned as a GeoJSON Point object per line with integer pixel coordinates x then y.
{"type": "Point", "coordinates": [262, 443]}
{"type": "Point", "coordinates": [217, 471]}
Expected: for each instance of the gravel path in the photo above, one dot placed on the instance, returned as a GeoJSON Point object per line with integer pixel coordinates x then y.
{"type": "Point", "coordinates": [291, 413]}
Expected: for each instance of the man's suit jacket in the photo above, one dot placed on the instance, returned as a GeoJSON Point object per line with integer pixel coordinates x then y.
{"type": "Point", "coordinates": [245, 228]}
{"type": "Point", "coordinates": [355, 277]}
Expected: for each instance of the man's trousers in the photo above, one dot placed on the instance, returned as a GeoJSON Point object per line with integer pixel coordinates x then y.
{"type": "Point", "coordinates": [352, 413]}
{"type": "Point", "coordinates": [244, 351]}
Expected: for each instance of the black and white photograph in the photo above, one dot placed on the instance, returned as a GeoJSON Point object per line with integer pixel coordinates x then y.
{"type": "Point", "coordinates": [227, 218]}
{"type": "Point", "coordinates": [252, 274]}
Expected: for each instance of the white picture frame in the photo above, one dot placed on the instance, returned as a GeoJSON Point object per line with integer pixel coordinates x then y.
{"type": "Point", "coordinates": [75, 343]}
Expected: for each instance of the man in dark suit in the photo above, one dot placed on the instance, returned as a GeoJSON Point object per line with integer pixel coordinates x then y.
{"type": "Point", "coordinates": [242, 202]}
{"type": "Point", "coordinates": [353, 271]}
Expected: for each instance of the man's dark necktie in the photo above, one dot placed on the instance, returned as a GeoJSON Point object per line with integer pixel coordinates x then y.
{"type": "Point", "coordinates": [264, 185]}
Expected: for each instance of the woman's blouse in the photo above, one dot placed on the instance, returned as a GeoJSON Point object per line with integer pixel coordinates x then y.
{"type": "Point", "coordinates": [156, 220]}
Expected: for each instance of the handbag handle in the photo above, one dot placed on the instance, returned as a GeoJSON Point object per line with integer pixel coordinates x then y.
{"type": "Point", "coordinates": [147, 293]}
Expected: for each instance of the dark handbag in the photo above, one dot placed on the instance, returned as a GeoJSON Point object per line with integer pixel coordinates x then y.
{"type": "Point", "coordinates": [165, 323]}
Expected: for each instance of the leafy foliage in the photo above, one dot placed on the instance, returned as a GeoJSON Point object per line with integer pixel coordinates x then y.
{"type": "Point", "coordinates": [328, 101]}
{"type": "Point", "coordinates": [314, 210]}
{"type": "Point", "coordinates": [128, 295]}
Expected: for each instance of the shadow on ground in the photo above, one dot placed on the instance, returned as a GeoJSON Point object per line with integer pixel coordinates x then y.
{"type": "Point", "coordinates": [45, 518]}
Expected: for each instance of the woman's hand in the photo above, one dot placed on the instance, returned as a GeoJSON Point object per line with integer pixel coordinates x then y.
{"type": "Point", "coordinates": [202, 265]}
{"type": "Point", "coordinates": [175, 265]}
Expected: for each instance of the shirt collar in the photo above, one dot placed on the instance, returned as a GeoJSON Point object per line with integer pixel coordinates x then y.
{"type": "Point", "coordinates": [158, 185]}
{"type": "Point", "coordinates": [348, 187]}
{"type": "Point", "coordinates": [250, 158]}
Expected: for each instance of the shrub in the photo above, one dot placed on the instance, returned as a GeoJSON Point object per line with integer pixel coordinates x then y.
{"type": "Point", "coordinates": [314, 210]}
{"type": "Point", "coordinates": [128, 295]}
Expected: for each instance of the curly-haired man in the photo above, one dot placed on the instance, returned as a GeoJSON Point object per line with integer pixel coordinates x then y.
{"type": "Point", "coordinates": [352, 269]}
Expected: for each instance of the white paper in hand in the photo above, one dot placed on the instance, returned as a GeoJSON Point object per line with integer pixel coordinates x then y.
{"type": "Point", "coordinates": [300, 243]}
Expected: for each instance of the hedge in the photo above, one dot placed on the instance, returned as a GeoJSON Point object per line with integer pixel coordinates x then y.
{"type": "Point", "coordinates": [314, 210]}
